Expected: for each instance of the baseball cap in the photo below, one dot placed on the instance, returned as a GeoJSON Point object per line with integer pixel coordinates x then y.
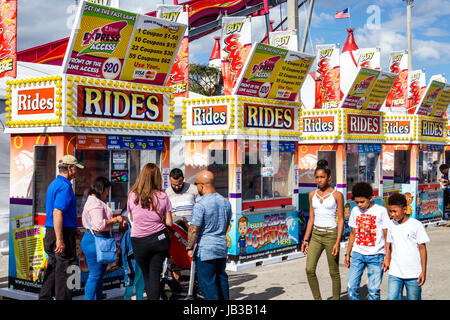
{"type": "Point", "coordinates": [71, 160]}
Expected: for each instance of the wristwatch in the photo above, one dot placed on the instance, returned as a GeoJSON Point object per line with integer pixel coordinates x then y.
{"type": "Point", "coordinates": [348, 255]}
{"type": "Point", "coordinates": [188, 249]}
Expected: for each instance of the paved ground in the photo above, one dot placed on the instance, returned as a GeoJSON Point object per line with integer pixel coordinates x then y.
{"type": "Point", "coordinates": [287, 280]}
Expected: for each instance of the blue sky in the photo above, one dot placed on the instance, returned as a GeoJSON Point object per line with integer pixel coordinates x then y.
{"type": "Point", "coordinates": [430, 26]}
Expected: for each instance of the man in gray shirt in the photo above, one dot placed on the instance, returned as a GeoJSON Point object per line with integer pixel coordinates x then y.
{"type": "Point", "coordinates": [182, 196]}
{"type": "Point", "coordinates": [210, 218]}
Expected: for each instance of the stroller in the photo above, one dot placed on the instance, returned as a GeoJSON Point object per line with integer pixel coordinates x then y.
{"type": "Point", "coordinates": [186, 286]}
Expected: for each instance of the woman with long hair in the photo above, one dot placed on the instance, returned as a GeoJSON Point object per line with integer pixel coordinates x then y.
{"type": "Point", "coordinates": [149, 209]}
{"type": "Point", "coordinates": [322, 231]}
{"type": "Point", "coordinates": [98, 217]}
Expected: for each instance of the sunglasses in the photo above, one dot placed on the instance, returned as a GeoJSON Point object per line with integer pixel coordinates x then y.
{"type": "Point", "coordinates": [197, 183]}
{"type": "Point", "coordinates": [177, 185]}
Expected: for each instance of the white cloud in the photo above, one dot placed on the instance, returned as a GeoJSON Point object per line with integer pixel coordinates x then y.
{"type": "Point", "coordinates": [392, 33]}
{"type": "Point", "coordinates": [430, 51]}
{"type": "Point", "coordinates": [435, 32]}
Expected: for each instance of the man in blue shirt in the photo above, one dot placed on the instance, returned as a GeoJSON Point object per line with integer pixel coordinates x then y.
{"type": "Point", "coordinates": [445, 184]}
{"type": "Point", "coordinates": [61, 230]}
{"type": "Point", "coordinates": [210, 218]}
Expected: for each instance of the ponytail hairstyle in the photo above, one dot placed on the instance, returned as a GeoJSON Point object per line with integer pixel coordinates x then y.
{"type": "Point", "coordinates": [322, 164]}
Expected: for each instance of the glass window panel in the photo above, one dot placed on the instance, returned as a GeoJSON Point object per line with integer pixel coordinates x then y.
{"type": "Point", "coordinates": [119, 179]}
{"type": "Point", "coordinates": [251, 177]}
{"type": "Point", "coordinates": [363, 167]}
{"type": "Point", "coordinates": [429, 162]}
{"type": "Point", "coordinates": [218, 165]}
{"type": "Point", "coordinates": [447, 157]}
{"type": "Point", "coordinates": [402, 166]}
{"type": "Point", "coordinates": [266, 175]}
{"type": "Point", "coordinates": [282, 178]}
{"type": "Point", "coordinates": [372, 175]}
{"type": "Point", "coordinates": [96, 163]}
{"type": "Point", "coordinates": [352, 170]}
{"type": "Point", "coordinates": [44, 174]}
{"type": "Point", "coordinates": [139, 158]}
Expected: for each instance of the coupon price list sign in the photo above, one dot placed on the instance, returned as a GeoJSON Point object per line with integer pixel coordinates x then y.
{"type": "Point", "coordinates": [291, 76]}
{"type": "Point", "coordinates": [150, 54]}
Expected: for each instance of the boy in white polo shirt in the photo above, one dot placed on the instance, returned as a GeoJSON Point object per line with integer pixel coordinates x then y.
{"type": "Point", "coordinates": [408, 258]}
{"type": "Point", "coordinates": [366, 245]}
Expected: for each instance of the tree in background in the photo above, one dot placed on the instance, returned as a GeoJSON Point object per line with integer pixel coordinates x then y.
{"type": "Point", "coordinates": [205, 80]}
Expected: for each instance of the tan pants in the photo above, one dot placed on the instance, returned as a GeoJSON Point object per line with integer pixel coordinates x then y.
{"type": "Point", "coordinates": [323, 240]}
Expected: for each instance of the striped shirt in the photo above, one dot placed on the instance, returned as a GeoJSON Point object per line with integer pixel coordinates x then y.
{"type": "Point", "coordinates": [183, 202]}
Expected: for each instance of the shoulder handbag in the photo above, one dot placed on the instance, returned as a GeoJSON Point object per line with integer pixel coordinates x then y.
{"type": "Point", "coordinates": [104, 247]}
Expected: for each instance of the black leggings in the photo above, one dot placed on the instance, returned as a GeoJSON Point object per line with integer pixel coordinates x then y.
{"type": "Point", "coordinates": [150, 252]}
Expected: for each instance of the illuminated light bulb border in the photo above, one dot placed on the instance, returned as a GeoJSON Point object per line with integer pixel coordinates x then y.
{"type": "Point", "coordinates": [56, 80]}
{"type": "Point", "coordinates": [167, 92]}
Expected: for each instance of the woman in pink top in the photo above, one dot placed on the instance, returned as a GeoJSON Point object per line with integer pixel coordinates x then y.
{"type": "Point", "coordinates": [150, 211]}
{"type": "Point", "coordinates": [100, 219]}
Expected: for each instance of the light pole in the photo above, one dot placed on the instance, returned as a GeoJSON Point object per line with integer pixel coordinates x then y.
{"type": "Point", "coordinates": [292, 17]}
{"type": "Point", "coordinates": [409, 33]}
{"type": "Point", "coordinates": [307, 23]}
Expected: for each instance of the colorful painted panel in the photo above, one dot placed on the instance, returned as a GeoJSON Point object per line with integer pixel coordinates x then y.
{"type": "Point", "coordinates": [267, 233]}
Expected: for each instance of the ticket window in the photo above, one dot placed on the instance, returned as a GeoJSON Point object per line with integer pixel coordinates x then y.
{"type": "Point", "coordinates": [402, 166]}
{"type": "Point", "coordinates": [218, 164]}
{"type": "Point", "coordinates": [44, 173]}
{"type": "Point", "coordinates": [447, 157]}
{"type": "Point", "coordinates": [429, 162]}
{"type": "Point", "coordinates": [121, 167]}
{"type": "Point", "coordinates": [266, 174]}
{"type": "Point", "coordinates": [214, 160]}
{"type": "Point", "coordinates": [363, 167]}
{"type": "Point", "coordinates": [330, 157]}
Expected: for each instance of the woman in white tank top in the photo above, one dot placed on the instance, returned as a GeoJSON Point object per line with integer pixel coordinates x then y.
{"type": "Point", "coordinates": [322, 231]}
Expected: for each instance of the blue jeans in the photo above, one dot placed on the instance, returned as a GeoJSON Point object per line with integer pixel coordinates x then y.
{"type": "Point", "coordinates": [374, 265]}
{"type": "Point", "coordinates": [395, 289]}
{"type": "Point", "coordinates": [212, 279]}
{"type": "Point", "coordinates": [93, 290]}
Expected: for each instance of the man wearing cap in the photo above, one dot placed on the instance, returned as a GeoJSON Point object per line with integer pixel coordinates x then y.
{"type": "Point", "coordinates": [61, 230]}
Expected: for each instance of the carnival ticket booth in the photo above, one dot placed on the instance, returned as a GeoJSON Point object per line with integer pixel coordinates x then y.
{"type": "Point", "coordinates": [411, 158]}
{"type": "Point", "coordinates": [447, 144]}
{"type": "Point", "coordinates": [413, 152]}
{"type": "Point", "coordinates": [113, 127]}
{"type": "Point", "coordinates": [249, 141]}
{"type": "Point", "coordinates": [349, 137]}
{"type": "Point", "coordinates": [350, 141]}
{"type": "Point", "coordinates": [250, 144]}
{"type": "Point", "coordinates": [400, 157]}
{"type": "Point", "coordinates": [109, 108]}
